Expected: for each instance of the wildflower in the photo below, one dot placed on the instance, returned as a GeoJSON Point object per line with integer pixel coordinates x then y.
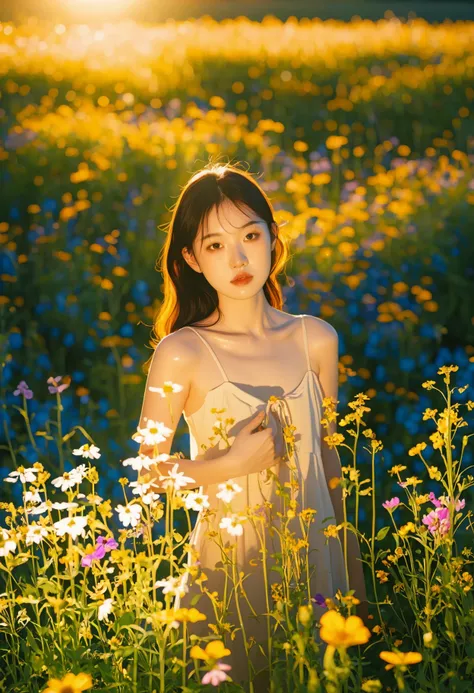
{"type": "Point", "coordinates": [434, 473]}
{"type": "Point", "coordinates": [400, 659]}
{"type": "Point", "coordinates": [23, 389]}
{"type": "Point", "coordinates": [417, 449]}
{"type": "Point", "coordinates": [334, 482]}
{"type": "Point", "coordinates": [36, 534]}
{"type": "Point", "coordinates": [332, 530]}
{"type": "Point", "coordinates": [319, 599]}
{"type": "Point", "coordinates": [31, 497]}
{"type": "Point", "coordinates": [69, 684]}
{"type": "Point", "coordinates": [103, 545]}
{"type": "Point", "coordinates": [175, 586]}
{"type": "Point", "coordinates": [233, 524]}
{"type": "Point", "coordinates": [7, 544]}
{"type": "Point", "coordinates": [214, 650]}
{"type": "Point", "coordinates": [153, 434]}
{"type": "Point", "coordinates": [68, 480]}
{"type": "Point", "coordinates": [90, 452]}
{"type": "Point", "coordinates": [175, 480]}
{"type": "Point", "coordinates": [372, 686]}
{"type": "Point", "coordinates": [143, 461]}
{"type": "Point", "coordinates": [105, 609]}
{"type": "Point", "coordinates": [396, 469]}
{"type": "Point", "coordinates": [64, 505]}
{"type": "Point", "coordinates": [39, 509]}
{"type": "Point", "coordinates": [55, 387]}
{"type": "Point", "coordinates": [168, 387]}
{"type": "Point", "coordinates": [228, 490]}
{"type": "Point", "coordinates": [382, 575]}
{"type": "Point", "coordinates": [25, 475]}
{"type": "Point", "coordinates": [217, 674]}
{"type": "Point", "coordinates": [196, 501]}
{"type": "Point", "coordinates": [129, 514]}
{"type": "Point", "coordinates": [74, 526]}
{"type": "Point", "coordinates": [428, 384]}
{"type": "Point", "coordinates": [391, 504]}
{"type": "Point", "coordinates": [189, 615]}
{"type": "Point", "coordinates": [460, 504]}
{"type": "Point", "coordinates": [437, 521]}
{"type": "Point", "coordinates": [340, 632]}
{"type": "Point", "coordinates": [305, 614]}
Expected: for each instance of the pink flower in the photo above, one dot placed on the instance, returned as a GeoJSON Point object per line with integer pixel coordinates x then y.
{"type": "Point", "coordinates": [460, 504]}
{"type": "Point", "coordinates": [103, 545]}
{"type": "Point", "coordinates": [217, 675]}
{"type": "Point", "coordinates": [434, 500]}
{"type": "Point", "coordinates": [437, 521]}
{"type": "Point", "coordinates": [391, 504]}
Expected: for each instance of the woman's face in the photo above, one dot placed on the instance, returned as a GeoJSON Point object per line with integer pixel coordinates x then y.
{"type": "Point", "coordinates": [239, 242]}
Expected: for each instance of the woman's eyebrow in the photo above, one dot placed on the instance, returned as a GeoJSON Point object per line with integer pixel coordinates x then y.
{"type": "Point", "coordinates": [248, 223]}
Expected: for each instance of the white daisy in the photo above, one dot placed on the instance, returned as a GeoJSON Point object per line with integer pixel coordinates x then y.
{"type": "Point", "coordinates": [168, 387]}
{"type": "Point", "coordinates": [39, 509]}
{"type": "Point", "coordinates": [105, 609]}
{"type": "Point", "coordinates": [7, 544]}
{"type": "Point", "coordinates": [68, 480]}
{"type": "Point", "coordinates": [196, 501]}
{"type": "Point", "coordinates": [233, 524]}
{"type": "Point", "coordinates": [75, 526]}
{"type": "Point", "coordinates": [175, 479]}
{"type": "Point", "coordinates": [129, 514]}
{"type": "Point", "coordinates": [90, 452]}
{"type": "Point", "coordinates": [64, 505]}
{"type": "Point", "coordinates": [174, 585]}
{"type": "Point", "coordinates": [36, 534]}
{"type": "Point", "coordinates": [25, 475]}
{"type": "Point", "coordinates": [149, 498]}
{"type": "Point", "coordinates": [228, 490]}
{"type": "Point", "coordinates": [144, 461]}
{"type": "Point", "coordinates": [31, 497]}
{"type": "Point", "coordinates": [155, 433]}
{"type": "Point", "coordinates": [140, 488]}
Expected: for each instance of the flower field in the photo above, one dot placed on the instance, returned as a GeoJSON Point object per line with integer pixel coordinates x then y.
{"type": "Point", "coordinates": [362, 136]}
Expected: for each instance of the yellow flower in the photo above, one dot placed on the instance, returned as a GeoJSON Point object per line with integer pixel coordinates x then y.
{"type": "Point", "coordinates": [400, 659]}
{"type": "Point", "coordinates": [69, 684]}
{"type": "Point", "coordinates": [332, 530]}
{"type": "Point", "coordinates": [382, 575]}
{"type": "Point", "coordinates": [189, 615]}
{"type": "Point", "coordinates": [416, 449]}
{"type": "Point", "coordinates": [214, 650]}
{"type": "Point", "coordinates": [340, 632]}
{"type": "Point", "coordinates": [397, 469]}
{"type": "Point", "coordinates": [409, 527]}
{"type": "Point", "coordinates": [334, 482]}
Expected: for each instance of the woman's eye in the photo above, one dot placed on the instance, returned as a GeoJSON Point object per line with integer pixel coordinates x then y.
{"type": "Point", "coordinates": [251, 233]}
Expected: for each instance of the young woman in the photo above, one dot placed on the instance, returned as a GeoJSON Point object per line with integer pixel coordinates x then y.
{"type": "Point", "coordinates": [231, 347]}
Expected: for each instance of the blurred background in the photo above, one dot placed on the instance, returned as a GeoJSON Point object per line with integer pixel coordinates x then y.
{"type": "Point", "coordinates": [355, 117]}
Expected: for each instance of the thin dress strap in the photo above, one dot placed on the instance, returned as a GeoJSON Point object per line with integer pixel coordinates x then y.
{"type": "Point", "coordinates": [305, 340]}
{"type": "Point", "coordinates": [223, 373]}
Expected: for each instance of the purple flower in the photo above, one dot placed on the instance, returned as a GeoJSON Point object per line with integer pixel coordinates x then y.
{"type": "Point", "coordinates": [23, 389]}
{"type": "Point", "coordinates": [391, 504]}
{"type": "Point", "coordinates": [55, 387]}
{"type": "Point", "coordinates": [437, 521]}
{"type": "Point", "coordinates": [217, 674]}
{"type": "Point", "coordinates": [319, 599]}
{"type": "Point", "coordinates": [103, 545]}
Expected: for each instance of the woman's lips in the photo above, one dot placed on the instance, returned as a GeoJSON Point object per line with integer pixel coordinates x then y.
{"type": "Point", "coordinates": [244, 280]}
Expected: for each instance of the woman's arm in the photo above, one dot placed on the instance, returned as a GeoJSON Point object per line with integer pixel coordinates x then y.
{"type": "Point", "coordinates": [325, 348]}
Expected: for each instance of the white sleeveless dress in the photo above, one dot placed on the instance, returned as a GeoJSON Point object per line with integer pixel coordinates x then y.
{"type": "Point", "coordinates": [301, 407]}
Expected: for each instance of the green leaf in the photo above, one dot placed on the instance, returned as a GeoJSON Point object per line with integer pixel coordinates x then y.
{"type": "Point", "coordinates": [382, 533]}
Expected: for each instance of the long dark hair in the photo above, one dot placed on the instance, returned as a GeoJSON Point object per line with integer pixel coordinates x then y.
{"type": "Point", "coordinates": [187, 295]}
